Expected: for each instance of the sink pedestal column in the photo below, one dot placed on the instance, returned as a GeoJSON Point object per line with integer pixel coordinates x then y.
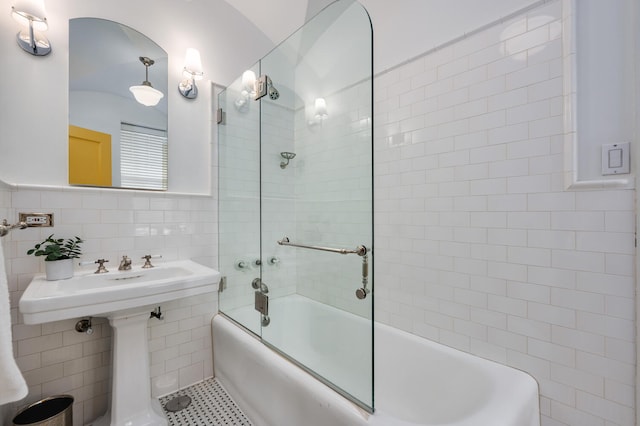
{"type": "Point", "coordinates": [131, 402]}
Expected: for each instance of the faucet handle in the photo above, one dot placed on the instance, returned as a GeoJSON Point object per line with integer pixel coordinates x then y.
{"type": "Point", "coordinates": [100, 262]}
{"type": "Point", "coordinates": [148, 257]}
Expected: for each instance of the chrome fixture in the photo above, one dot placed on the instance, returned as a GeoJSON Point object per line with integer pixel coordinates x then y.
{"type": "Point", "coordinates": [273, 92]}
{"type": "Point", "coordinates": [362, 292]}
{"type": "Point", "coordinates": [264, 86]}
{"type": "Point", "coordinates": [273, 260]}
{"type": "Point", "coordinates": [361, 250]}
{"type": "Point", "coordinates": [257, 284]}
{"type": "Point", "coordinates": [261, 304]}
{"type": "Point", "coordinates": [5, 227]}
{"type": "Point", "coordinates": [31, 15]}
{"type": "Point", "coordinates": [222, 284]}
{"type": "Point", "coordinates": [84, 326]}
{"type": "Point", "coordinates": [178, 403]}
{"type": "Point", "coordinates": [147, 260]}
{"type": "Point", "coordinates": [156, 313]}
{"type": "Point", "coordinates": [265, 320]}
{"type": "Point", "coordinates": [100, 262]}
{"type": "Point", "coordinates": [192, 71]}
{"type": "Point", "coordinates": [144, 92]}
{"type": "Point", "coordinates": [261, 301]}
{"type": "Point", "coordinates": [125, 264]}
{"type": "Point", "coordinates": [287, 156]}
{"type": "Point", "coordinates": [242, 265]}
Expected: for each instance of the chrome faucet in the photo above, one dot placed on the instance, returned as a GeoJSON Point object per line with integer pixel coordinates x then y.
{"type": "Point", "coordinates": [125, 264]}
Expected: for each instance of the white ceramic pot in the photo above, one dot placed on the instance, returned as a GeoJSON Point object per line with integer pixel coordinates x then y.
{"type": "Point", "coordinates": [59, 269]}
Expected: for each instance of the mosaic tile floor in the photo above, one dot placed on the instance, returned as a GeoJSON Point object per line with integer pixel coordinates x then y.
{"type": "Point", "coordinates": [210, 406]}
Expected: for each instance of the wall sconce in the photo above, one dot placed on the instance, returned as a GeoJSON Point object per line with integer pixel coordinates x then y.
{"type": "Point", "coordinates": [145, 93]}
{"type": "Point", "coordinates": [319, 112]}
{"type": "Point", "coordinates": [321, 109]}
{"type": "Point", "coordinates": [31, 15]}
{"type": "Point", "coordinates": [192, 72]}
{"type": "Point", "coordinates": [248, 89]}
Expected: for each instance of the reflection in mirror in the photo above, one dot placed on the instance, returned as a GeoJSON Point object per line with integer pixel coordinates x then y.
{"type": "Point", "coordinates": [114, 140]}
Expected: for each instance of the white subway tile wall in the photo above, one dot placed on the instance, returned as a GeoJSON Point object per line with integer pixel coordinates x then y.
{"type": "Point", "coordinates": [53, 357]}
{"type": "Point", "coordinates": [478, 246]}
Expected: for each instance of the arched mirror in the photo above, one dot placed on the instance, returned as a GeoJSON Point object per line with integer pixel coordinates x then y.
{"type": "Point", "coordinates": [117, 107]}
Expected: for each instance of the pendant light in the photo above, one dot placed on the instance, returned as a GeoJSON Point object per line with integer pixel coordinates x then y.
{"type": "Point", "coordinates": [145, 93]}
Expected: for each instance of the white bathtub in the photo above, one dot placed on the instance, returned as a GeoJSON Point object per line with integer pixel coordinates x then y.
{"type": "Point", "coordinates": [417, 382]}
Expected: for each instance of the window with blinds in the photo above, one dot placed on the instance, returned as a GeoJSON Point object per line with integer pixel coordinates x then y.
{"type": "Point", "coordinates": [143, 157]}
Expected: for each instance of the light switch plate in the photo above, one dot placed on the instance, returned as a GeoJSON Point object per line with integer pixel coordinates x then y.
{"type": "Point", "coordinates": [615, 159]}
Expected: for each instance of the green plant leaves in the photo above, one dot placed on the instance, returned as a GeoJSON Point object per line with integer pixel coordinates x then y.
{"type": "Point", "coordinates": [58, 249]}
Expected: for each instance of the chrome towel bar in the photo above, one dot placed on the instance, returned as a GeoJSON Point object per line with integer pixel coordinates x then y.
{"type": "Point", "coordinates": [361, 250]}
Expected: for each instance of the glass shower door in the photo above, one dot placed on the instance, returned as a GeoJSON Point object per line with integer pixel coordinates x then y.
{"type": "Point", "coordinates": [297, 165]}
{"type": "Point", "coordinates": [239, 200]}
{"type": "Point", "coordinates": [316, 191]}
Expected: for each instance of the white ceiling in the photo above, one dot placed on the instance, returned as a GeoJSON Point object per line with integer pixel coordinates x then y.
{"type": "Point", "coordinates": [277, 19]}
{"type": "Point", "coordinates": [402, 29]}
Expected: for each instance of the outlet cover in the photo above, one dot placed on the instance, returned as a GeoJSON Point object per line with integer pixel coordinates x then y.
{"type": "Point", "coordinates": [37, 219]}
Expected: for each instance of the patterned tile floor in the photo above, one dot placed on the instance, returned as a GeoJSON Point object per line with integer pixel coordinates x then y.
{"type": "Point", "coordinates": [210, 406]}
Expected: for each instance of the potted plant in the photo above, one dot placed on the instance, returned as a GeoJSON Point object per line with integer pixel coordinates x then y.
{"type": "Point", "coordinates": [59, 254]}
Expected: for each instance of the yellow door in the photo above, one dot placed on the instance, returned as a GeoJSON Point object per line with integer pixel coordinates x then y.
{"type": "Point", "coordinates": [89, 157]}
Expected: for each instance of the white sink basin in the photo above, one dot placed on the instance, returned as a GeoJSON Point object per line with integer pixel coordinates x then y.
{"type": "Point", "coordinates": [98, 295]}
{"type": "Point", "coordinates": [125, 298]}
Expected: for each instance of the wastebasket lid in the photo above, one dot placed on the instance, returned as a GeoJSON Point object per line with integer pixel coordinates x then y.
{"type": "Point", "coordinates": [42, 410]}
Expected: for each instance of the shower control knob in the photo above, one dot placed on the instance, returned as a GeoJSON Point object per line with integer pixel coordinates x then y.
{"type": "Point", "coordinates": [274, 260]}
{"type": "Point", "coordinates": [242, 265]}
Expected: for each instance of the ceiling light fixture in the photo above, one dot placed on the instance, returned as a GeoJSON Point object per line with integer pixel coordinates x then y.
{"type": "Point", "coordinates": [145, 93]}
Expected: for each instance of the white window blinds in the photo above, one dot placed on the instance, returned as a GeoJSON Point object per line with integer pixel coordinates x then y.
{"type": "Point", "coordinates": [143, 157]}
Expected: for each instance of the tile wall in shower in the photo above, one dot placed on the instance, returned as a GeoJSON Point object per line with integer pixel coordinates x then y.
{"type": "Point", "coordinates": [478, 244]}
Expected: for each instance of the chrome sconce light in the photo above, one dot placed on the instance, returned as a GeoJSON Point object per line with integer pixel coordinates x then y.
{"type": "Point", "coordinates": [248, 90]}
{"type": "Point", "coordinates": [31, 15]}
{"type": "Point", "coordinates": [192, 71]}
{"type": "Point", "coordinates": [144, 92]}
{"type": "Point", "coordinates": [319, 112]}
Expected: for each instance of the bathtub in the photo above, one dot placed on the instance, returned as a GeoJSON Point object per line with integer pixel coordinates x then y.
{"type": "Point", "coordinates": [417, 381]}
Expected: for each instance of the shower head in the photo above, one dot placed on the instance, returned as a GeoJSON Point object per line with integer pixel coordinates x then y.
{"type": "Point", "coordinates": [287, 156]}
{"type": "Point", "coordinates": [273, 92]}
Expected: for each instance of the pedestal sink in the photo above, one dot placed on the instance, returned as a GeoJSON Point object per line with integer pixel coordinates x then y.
{"type": "Point", "coordinates": [125, 298]}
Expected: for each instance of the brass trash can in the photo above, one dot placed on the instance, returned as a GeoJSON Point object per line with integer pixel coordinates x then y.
{"type": "Point", "coordinates": [52, 411]}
